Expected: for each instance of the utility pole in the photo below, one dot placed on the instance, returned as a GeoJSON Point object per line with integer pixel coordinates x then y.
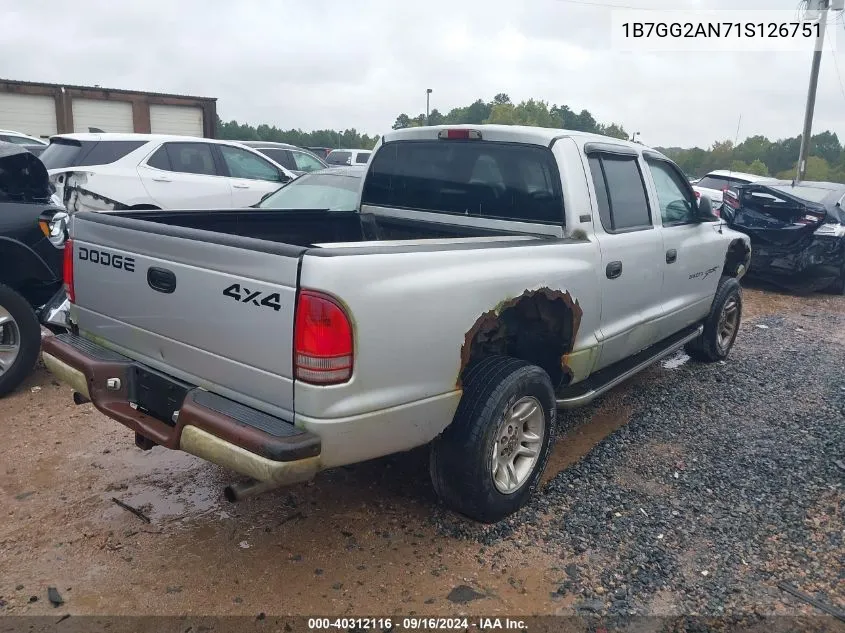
{"type": "Point", "coordinates": [428, 92]}
{"type": "Point", "coordinates": [821, 6]}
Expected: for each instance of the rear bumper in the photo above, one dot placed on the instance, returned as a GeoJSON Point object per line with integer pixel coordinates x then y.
{"type": "Point", "coordinates": [204, 424]}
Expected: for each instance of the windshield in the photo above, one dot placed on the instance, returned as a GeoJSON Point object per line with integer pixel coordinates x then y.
{"type": "Point", "coordinates": [335, 192]}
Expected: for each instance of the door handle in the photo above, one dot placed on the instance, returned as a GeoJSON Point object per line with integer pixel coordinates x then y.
{"type": "Point", "coordinates": [671, 256]}
{"type": "Point", "coordinates": [613, 270]}
{"type": "Point", "coordinates": [161, 179]}
{"type": "Point", "coordinates": [239, 186]}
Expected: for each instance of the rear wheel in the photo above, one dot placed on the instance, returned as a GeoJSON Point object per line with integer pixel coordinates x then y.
{"type": "Point", "coordinates": [20, 339]}
{"type": "Point", "coordinates": [721, 325]}
{"type": "Point", "coordinates": [488, 462]}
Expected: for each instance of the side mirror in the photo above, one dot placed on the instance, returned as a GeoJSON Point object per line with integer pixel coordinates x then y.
{"type": "Point", "coordinates": [705, 209]}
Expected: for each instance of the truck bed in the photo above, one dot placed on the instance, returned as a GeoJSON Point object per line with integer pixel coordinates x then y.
{"type": "Point", "coordinates": [309, 228]}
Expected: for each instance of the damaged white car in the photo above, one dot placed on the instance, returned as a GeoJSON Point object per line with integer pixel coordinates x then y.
{"type": "Point", "coordinates": [114, 172]}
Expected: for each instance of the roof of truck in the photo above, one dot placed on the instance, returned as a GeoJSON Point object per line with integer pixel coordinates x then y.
{"type": "Point", "coordinates": [518, 133]}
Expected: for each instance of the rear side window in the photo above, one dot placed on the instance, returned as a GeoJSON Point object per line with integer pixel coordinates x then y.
{"type": "Point", "coordinates": [339, 158]}
{"type": "Point", "coordinates": [362, 157]}
{"type": "Point", "coordinates": [624, 197]}
{"type": "Point", "coordinates": [160, 159]}
{"type": "Point", "coordinates": [280, 156]}
{"type": "Point", "coordinates": [475, 178]}
{"type": "Point", "coordinates": [714, 182]}
{"type": "Point", "coordinates": [191, 158]}
{"type": "Point", "coordinates": [71, 153]}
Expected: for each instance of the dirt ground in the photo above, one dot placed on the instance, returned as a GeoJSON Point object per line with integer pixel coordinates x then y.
{"type": "Point", "coordinates": [357, 540]}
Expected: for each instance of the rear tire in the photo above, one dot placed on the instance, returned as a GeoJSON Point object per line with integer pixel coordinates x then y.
{"type": "Point", "coordinates": [20, 339]}
{"type": "Point", "coordinates": [721, 325]}
{"type": "Point", "coordinates": [488, 462]}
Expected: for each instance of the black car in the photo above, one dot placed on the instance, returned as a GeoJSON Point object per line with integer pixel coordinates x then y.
{"type": "Point", "coordinates": [797, 232]}
{"type": "Point", "coordinates": [30, 262]}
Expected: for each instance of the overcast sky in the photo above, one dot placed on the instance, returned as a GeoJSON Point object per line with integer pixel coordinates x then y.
{"type": "Point", "coordinates": [315, 64]}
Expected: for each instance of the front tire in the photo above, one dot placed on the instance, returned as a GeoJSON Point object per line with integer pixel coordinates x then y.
{"type": "Point", "coordinates": [488, 462]}
{"type": "Point", "coordinates": [20, 339]}
{"type": "Point", "coordinates": [721, 325]}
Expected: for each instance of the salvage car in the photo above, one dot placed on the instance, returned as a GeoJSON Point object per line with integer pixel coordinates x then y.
{"type": "Point", "coordinates": [715, 183]}
{"type": "Point", "coordinates": [797, 232]}
{"type": "Point", "coordinates": [488, 276]}
{"type": "Point", "coordinates": [332, 189]}
{"type": "Point", "coordinates": [30, 263]}
{"type": "Point", "coordinates": [111, 172]}
{"type": "Point", "coordinates": [30, 143]}
{"type": "Point", "coordinates": [295, 159]}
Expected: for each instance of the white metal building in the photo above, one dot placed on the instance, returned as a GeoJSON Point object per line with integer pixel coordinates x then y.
{"type": "Point", "coordinates": [42, 110]}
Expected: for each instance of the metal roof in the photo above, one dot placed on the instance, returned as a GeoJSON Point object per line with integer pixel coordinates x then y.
{"type": "Point", "coordinates": [117, 90]}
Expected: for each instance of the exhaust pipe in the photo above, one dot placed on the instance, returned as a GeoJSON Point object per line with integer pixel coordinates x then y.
{"type": "Point", "coordinates": [245, 490]}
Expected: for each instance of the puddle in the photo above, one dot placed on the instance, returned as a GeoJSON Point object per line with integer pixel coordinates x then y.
{"type": "Point", "coordinates": [578, 442]}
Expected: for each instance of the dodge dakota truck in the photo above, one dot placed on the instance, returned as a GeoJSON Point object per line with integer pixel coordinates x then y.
{"type": "Point", "coordinates": [489, 277]}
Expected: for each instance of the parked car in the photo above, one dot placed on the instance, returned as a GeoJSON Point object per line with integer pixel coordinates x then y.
{"type": "Point", "coordinates": [320, 152]}
{"type": "Point", "coordinates": [291, 157]}
{"type": "Point", "coordinates": [717, 182]}
{"type": "Point", "coordinates": [30, 265]}
{"type": "Point", "coordinates": [797, 233]}
{"type": "Point", "coordinates": [103, 172]}
{"type": "Point", "coordinates": [30, 143]}
{"type": "Point", "coordinates": [348, 157]}
{"type": "Point", "coordinates": [332, 189]}
{"type": "Point", "coordinates": [488, 276]}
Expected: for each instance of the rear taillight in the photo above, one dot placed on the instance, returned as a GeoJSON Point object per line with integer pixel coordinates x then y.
{"type": "Point", "coordinates": [67, 270]}
{"type": "Point", "coordinates": [730, 199]}
{"type": "Point", "coordinates": [322, 340]}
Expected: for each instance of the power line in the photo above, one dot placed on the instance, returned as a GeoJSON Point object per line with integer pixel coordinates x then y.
{"type": "Point", "coordinates": [836, 66]}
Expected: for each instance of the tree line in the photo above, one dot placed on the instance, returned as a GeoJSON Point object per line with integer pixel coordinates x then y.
{"type": "Point", "coordinates": [345, 139]}
{"type": "Point", "coordinates": [758, 155]}
{"type": "Point", "coordinates": [503, 111]}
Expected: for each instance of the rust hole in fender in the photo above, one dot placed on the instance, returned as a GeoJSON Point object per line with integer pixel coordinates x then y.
{"type": "Point", "coordinates": [538, 326]}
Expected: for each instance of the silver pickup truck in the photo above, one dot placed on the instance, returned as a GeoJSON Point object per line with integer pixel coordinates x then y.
{"type": "Point", "coordinates": [491, 276]}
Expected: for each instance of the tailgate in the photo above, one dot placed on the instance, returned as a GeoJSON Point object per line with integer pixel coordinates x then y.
{"type": "Point", "coordinates": [212, 309]}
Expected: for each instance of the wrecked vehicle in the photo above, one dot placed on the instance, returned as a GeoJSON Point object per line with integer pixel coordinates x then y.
{"type": "Point", "coordinates": [30, 263]}
{"type": "Point", "coordinates": [797, 232]}
{"type": "Point", "coordinates": [116, 172]}
{"type": "Point", "coordinates": [489, 276]}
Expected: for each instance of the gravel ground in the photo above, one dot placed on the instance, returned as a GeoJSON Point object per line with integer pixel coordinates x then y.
{"type": "Point", "coordinates": [722, 484]}
{"type": "Point", "coordinates": [693, 489]}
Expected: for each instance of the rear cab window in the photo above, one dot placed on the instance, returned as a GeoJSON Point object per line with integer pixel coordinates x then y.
{"type": "Point", "coordinates": [362, 157]}
{"type": "Point", "coordinates": [62, 153]}
{"type": "Point", "coordinates": [486, 179]}
{"type": "Point", "coordinates": [620, 193]}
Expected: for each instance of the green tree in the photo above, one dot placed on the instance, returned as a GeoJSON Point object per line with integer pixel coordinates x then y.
{"type": "Point", "coordinates": [402, 121]}
{"type": "Point", "coordinates": [758, 167]}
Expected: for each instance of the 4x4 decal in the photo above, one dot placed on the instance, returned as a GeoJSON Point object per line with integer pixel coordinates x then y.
{"type": "Point", "coordinates": [245, 295]}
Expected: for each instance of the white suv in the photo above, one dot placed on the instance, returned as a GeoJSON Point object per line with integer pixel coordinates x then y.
{"type": "Point", "coordinates": [103, 172]}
